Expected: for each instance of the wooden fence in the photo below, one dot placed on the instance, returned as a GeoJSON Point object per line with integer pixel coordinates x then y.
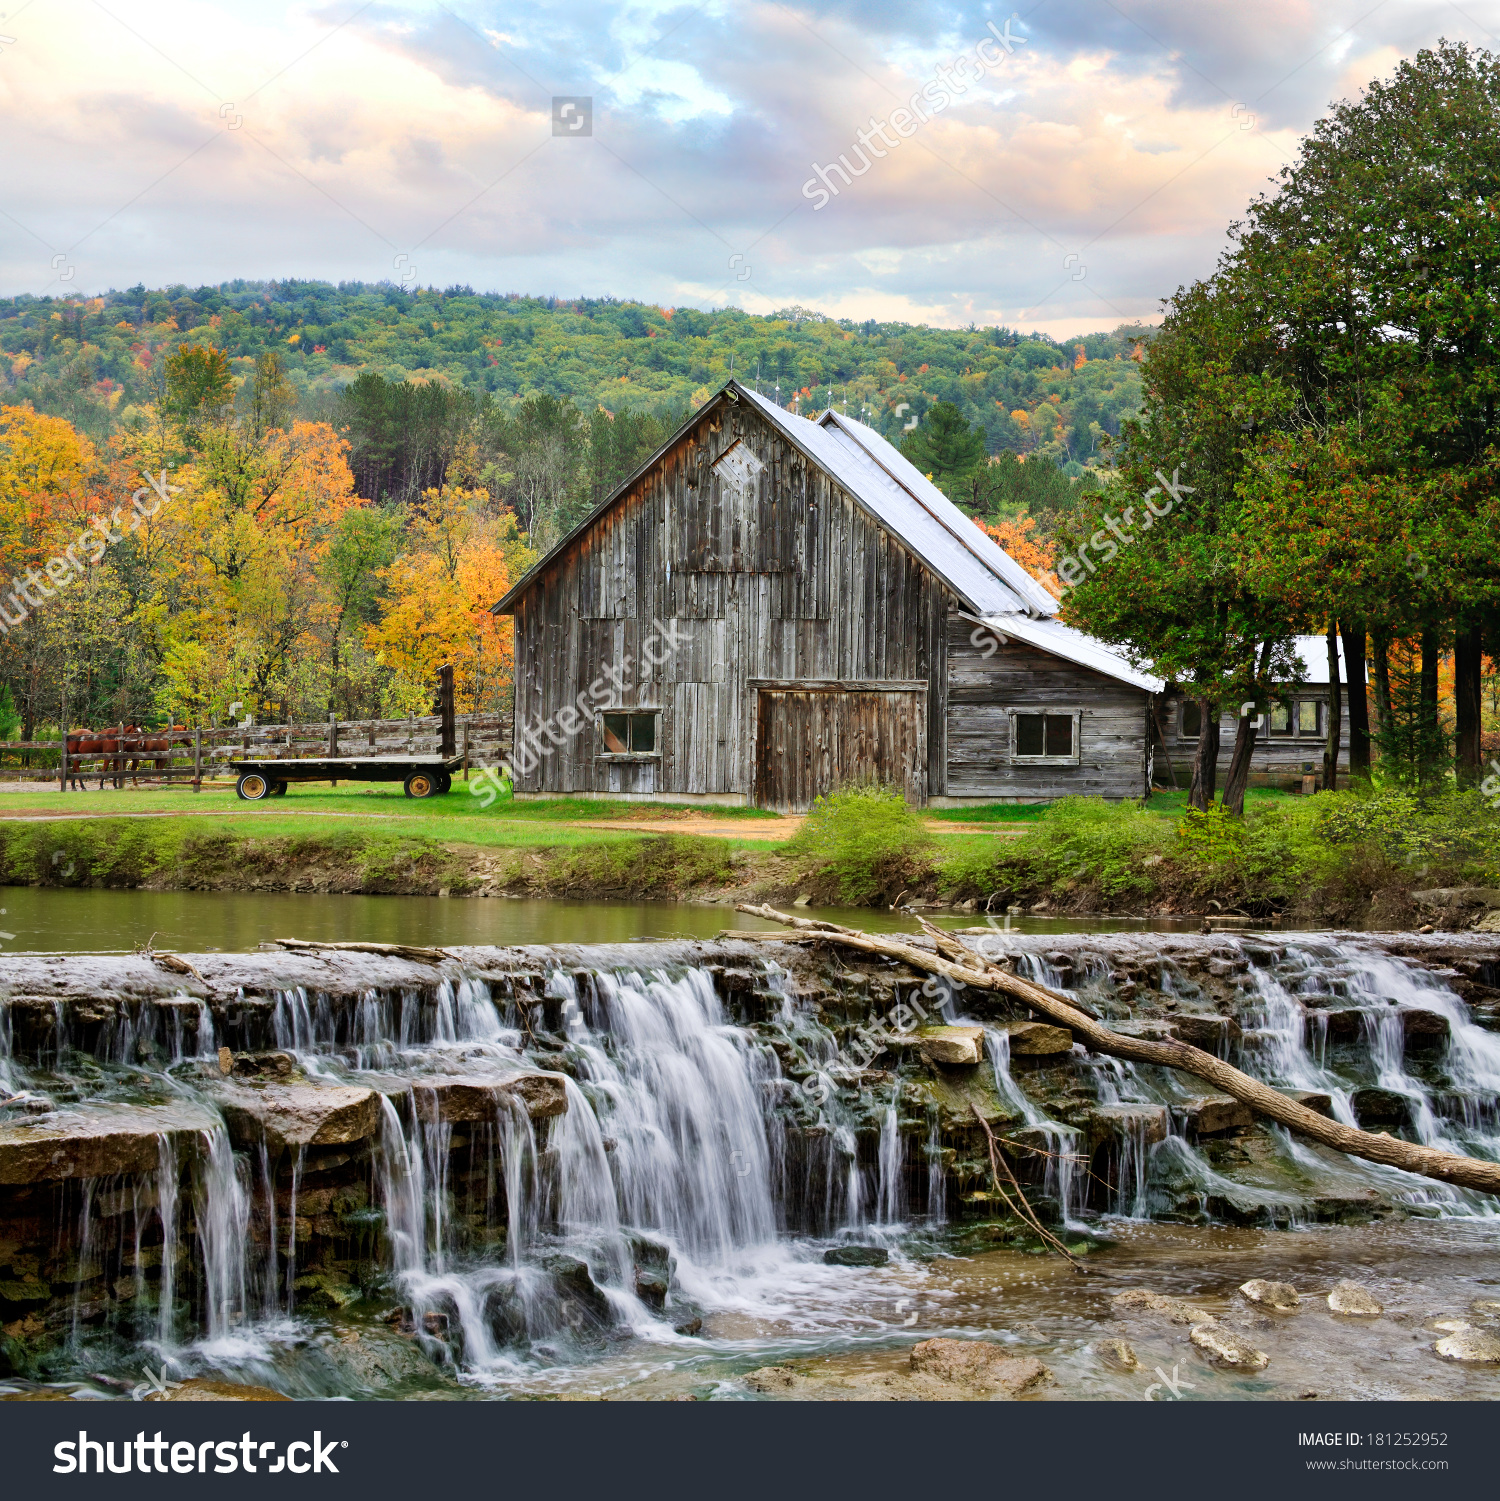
{"type": "Point", "coordinates": [198, 756]}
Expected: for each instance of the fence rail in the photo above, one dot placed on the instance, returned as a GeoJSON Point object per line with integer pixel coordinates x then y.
{"type": "Point", "coordinates": [201, 755]}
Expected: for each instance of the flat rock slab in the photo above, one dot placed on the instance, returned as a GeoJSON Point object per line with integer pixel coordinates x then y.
{"type": "Point", "coordinates": [955, 1046]}
{"type": "Point", "coordinates": [298, 1115]}
{"type": "Point", "coordinates": [1214, 1113]}
{"type": "Point", "coordinates": [465, 1098]}
{"type": "Point", "coordinates": [100, 1141]}
{"type": "Point", "coordinates": [1312, 1099]}
{"type": "Point", "coordinates": [1037, 1039]}
{"type": "Point", "coordinates": [1470, 1346]}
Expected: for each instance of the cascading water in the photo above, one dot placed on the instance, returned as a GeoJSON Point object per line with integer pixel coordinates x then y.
{"type": "Point", "coordinates": [697, 1161]}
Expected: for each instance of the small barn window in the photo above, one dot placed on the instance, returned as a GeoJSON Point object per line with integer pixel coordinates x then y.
{"type": "Point", "coordinates": [1308, 716]}
{"type": "Point", "coordinates": [1281, 719]}
{"type": "Point", "coordinates": [629, 734]}
{"type": "Point", "coordinates": [1192, 719]}
{"type": "Point", "coordinates": [1044, 735]}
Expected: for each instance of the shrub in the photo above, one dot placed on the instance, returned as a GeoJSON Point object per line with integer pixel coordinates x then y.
{"type": "Point", "coordinates": [861, 841]}
{"type": "Point", "coordinates": [1086, 839]}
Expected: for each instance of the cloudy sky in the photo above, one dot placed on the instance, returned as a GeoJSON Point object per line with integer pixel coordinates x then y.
{"type": "Point", "coordinates": [1078, 159]}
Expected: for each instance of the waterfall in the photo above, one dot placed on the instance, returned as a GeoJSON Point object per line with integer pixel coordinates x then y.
{"type": "Point", "coordinates": [890, 1208]}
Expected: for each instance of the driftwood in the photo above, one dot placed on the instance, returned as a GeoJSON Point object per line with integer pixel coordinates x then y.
{"type": "Point", "coordinates": [1389, 1151]}
{"type": "Point", "coordinates": [387, 950]}
{"type": "Point", "coordinates": [1020, 1206]}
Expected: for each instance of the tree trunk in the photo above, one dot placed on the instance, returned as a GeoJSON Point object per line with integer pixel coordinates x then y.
{"type": "Point", "coordinates": [1335, 713]}
{"type": "Point", "coordinates": [1353, 632]}
{"type": "Point", "coordinates": [1468, 678]}
{"type": "Point", "coordinates": [1429, 733]}
{"type": "Point", "coordinates": [1244, 740]}
{"type": "Point", "coordinates": [1205, 758]}
{"type": "Point", "coordinates": [1239, 766]}
{"type": "Point", "coordinates": [956, 962]}
{"type": "Point", "coordinates": [1382, 652]}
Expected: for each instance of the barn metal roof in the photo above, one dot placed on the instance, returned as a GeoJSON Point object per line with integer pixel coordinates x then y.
{"type": "Point", "coordinates": [1072, 645]}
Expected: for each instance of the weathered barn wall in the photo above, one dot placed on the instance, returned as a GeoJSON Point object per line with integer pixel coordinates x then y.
{"type": "Point", "coordinates": [729, 588]}
{"type": "Point", "coordinates": [1277, 761]}
{"type": "Point", "coordinates": [982, 692]}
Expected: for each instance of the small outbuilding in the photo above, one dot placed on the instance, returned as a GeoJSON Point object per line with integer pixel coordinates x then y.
{"type": "Point", "coordinates": [773, 605]}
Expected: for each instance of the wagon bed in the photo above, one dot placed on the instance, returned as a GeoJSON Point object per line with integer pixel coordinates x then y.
{"type": "Point", "coordinates": [423, 775]}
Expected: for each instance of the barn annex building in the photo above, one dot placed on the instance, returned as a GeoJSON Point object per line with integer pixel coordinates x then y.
{"type": "Point", "coordinates": [773, 605]}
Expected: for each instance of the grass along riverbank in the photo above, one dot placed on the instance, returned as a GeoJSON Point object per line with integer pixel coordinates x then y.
{"type": "Point", "coordinates": [1336, 858]}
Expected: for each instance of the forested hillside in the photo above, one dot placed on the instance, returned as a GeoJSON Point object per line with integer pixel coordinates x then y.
{"type": "Point", "coordinates": [98, 360]}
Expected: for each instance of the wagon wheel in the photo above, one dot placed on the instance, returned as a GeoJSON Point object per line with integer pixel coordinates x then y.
{"type": "Point", "coordinates": [278, 789]}
{"type": "Point", "coordinates": [444, 782]}
{"type": "Point", "coordinates": [421, 784]}
{"type": "Point", "coordinates": [252, 787]}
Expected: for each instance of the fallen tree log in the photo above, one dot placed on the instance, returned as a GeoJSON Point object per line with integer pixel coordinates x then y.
{"type": "Point", "coordinates": [386, 950]}
{"type": "Point", "coordinates": [1389, 1151]}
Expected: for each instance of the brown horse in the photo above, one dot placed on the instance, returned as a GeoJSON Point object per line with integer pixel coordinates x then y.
{"type": "Point", "coordinates": [159, 746]}
{"type": "Point", "coordinates": [109, 745]}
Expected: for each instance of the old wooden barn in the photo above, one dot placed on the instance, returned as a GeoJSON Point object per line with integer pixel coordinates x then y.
{"type": "Point", "coordinates": [773, 605]}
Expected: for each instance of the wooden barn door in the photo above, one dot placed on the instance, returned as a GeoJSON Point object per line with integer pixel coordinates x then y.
{"type": "Point", "coordinates": [810, 741]}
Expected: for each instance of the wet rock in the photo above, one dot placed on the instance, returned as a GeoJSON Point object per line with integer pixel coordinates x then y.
{"type": "Point", "coordinates": [1355, 1300]}
{"type": "Point", "coordinates": [465, 1098]}
{"type": "Point", "coordinates": [1336, 1023]}
{"type": "Point", "coordinates": [1213, 1113]}
{"type": "Point", "coordinates": [272, 1065]}
{"type": "Point", "coordinates": [1225, 1348]}
{"type": "Point", "coordinates": [977, 1364]}
{"type": "Point", "coordinates": [1279, 1295]}
{"type": "Point", "coordinates": [576, 1289]}
{"type": "Point", "coordinates": [1381, 1109]}
{"type": "Point", "coordinates": [856, 1256]}
{"type": "Point", "coordinates": [1037, 1039]}
{"type": "Point", "coordinates": [210, 1389]}
{"type": "Point", "coordinates": [1425, 1030]}
{"type": "Point", "coordinates": [1485, 1308]}
{"type": "Point", "coordinates": [1459, 897]}
{"type": "Point", "coordinates": [1143, 1300]}
{"type": "Point", "coordinates": [773, 1378]}
{"type": "Point", "coordinates": [1117, 1354]}
{"type": "Point", "coordinates": [954, 1046]}
{"type": "Point", "coordinates": [1214, 1034]}
{"type": "Point", "coordinates": [297, 1115]}
{"type": "Point", "coordinates": [1312, 1099]}
{"type": "Point", "coordinates": [652, 1287]}
{"type": "Point", "coordinates": [1470, 1346]}
{"type": "Point", "coordinates": [99, 1141]}
{"type": "Point", "coordinates": [689, 1326]}
{"type": "Point", "coordinates": [1122, 1121]}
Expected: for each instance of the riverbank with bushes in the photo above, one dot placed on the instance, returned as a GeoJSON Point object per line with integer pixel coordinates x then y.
{"type": "Point", "coordinates": [1335, 858]}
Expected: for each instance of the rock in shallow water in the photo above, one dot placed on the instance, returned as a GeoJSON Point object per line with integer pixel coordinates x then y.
{"type": "Point", "coordinates": [1472, 1346]}
{"type": "Point", "coordinates": [1355, 1300]}
{"type": "Point", "coordinates": [1117, 1354]}
{"type": "Point", "coordinates": [1224, 1348]}
{"type": "Point", "coordinates": [1143, 1300]}
{"type": "Point", "coordinates": [977, 1364]}
{"type": "Point", "coordinates": [856, 1256]}
{"type": "Point", "coordinates": [1281, 1295]}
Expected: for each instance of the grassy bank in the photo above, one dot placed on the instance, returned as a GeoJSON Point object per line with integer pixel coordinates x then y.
{"type": "Point", "coordinates": [1335, 856]}
{"type": "Point", "coordinates": [1332, 857]}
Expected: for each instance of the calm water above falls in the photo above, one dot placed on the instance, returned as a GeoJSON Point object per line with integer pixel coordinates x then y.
{"type": "Point", "coordinates": [88, 921]}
